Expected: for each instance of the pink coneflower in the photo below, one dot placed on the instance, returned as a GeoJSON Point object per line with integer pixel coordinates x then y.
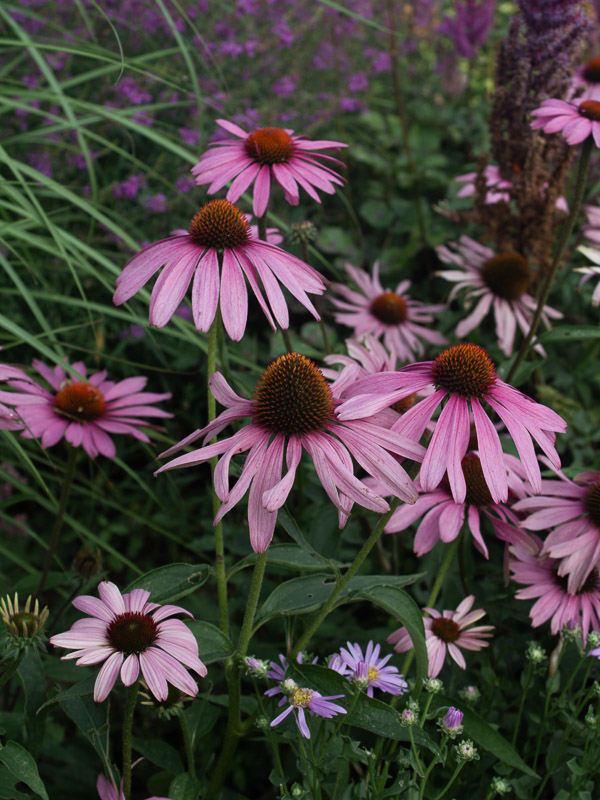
{"type": "Point", "coordinates": [218, 252]}
{"type": "Point", "coordinates": [274, 235]}
{"type": "Point", "coordinates": [494, 181]}
{"type": "Point", "coordinates": [368, 671]}
{"type": "Point", "coordinates": [84, 411]}
{"type": "Point", "coordinates": [265, 153]}
{"type": "Point", "coordinates": [443, 518]}
{"type": "Point", "coordinates": [573, 506]}
{"type": "Point", "coordinates": [588, 77]}
{"type": "Point", "coordinates": [446, 633]}
{"type": "Point", "coordinates": [294, 409]}
{"type": "Point", "coordinates": [465, 374]}
{"type": "Point", "coordinates": [128, 634]}
{"type": "Point", "coordinates": [590, 272]}
{"type": "Point", "coordinates": [499, 281]}
{"type": "Point", "coordinates": [575, 119]}
{"type": "Point", "coordinates": [383, 313]}
{"type": "Point", "coordinates": [107, 791]}
{"type": "Point", "coordinates": [540, 573]}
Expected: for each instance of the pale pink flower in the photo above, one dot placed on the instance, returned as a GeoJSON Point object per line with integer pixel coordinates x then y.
{"type": "Point", "coordinates": [295, 409]}
{"type": "Point", "coordinates": [575, 119]}
{"type": "Point", "coordinates": [85, 411]}
{"type": "Point", "coordinates": [587, 76]}
{"type": "Point", "coordinates": [540, 573]}
{"type": "Point", "coordinates": [446, 633]}
{"type": "Point", "coordinates": [590, 272]}
{"type": "Point", "coordinates": [572, 510]}
{"type": "Point", "coordinates": [266, 153]}
{"type": "Point", "coordinates": [129, 634]}
{"type": "Point", "coordinates": [218, 252]}
{"type": "Point", "coordinates": [499, 281]}
{"type": "Point", "coordinates": [497, 186]}
{"type": "Point", "coordinates": [465, 374]}
{"type": "Point", "coordinates": [381, 312]}
{"type": "Point", "coordinates": [107, 791]}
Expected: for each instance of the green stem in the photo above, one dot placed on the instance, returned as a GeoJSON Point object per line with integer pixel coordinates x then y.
{"type": "Point", "coordinates": [451, 781]}
{"type": "Point", "coordinates": [262, 227]}
{"type": "Point", "coordinates": [287, 340]}
{"type": "Point", "coordinates": [326, 343]}
{"type": "Point", "coordinates": [560, 249]}
{"type": "Point", "coordinates": [132, 692]}
{"type": "Point", "coordinates": [343, 582]}
{"type": "Point", "coordinates": [221, 575]}
{"type": "Point", "coordinates": [10, 671]}
{"type": "Point", "coordinates": [252, 604]}
{"type": "Point", "coordinates": [60, 516]}
{"type": "Point", "coordinates": [522, 703]}
{"type": "Point", "coordinates": [415, 752]}
{"type": "Point", "coordinates": [187, 743]}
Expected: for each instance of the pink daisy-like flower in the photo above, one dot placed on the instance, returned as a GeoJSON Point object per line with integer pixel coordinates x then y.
{"type": "Point", "coordinates": [383, 313]}
{"type": "Point", "coordinates": [465, 375]}
{"type": "Point", "coordinates": [494, 181]}
{"type": "Point", "coordinates": [590, 272]}
{"type": "Point", "coordinates": [572, 509]}
{"type": "Point", "coordinates": [498, 281]}
{"type": "Point", "coordinates": [301, 698]}
{"type": "Point", "coordinates": [588, 77]}
{"type": "Point", "coordinates": [540, 574]}
{"type": "Point", "coordinates": [295, 409]}
{"type": "Point", "coordinates": [128, 633]}
{"type": "Point", "coordinates": [218, 252]}
{"type": "Point", "coordinates": [368, 671]}
{"type": "Point", "coordinates": [107, 791]}
{"type": "Point", "coordinates": [264, 154]}
{"type": "Point", "coordinates": [443, 518]}
{"type": "Point", "coordinates": [84, 411]}
{"type": "Point", "coordinates": [575, 119]}
{"type": "Point", "coordinates": [447, 633]}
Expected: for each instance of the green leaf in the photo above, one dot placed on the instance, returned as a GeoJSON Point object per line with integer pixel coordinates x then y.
{"type": "Point", "coordinates": [171, 582]}
{"type": "Point", "coordinates": [22, 765]}
{"type": "Point", "coordinates": [159, 753]}
{"type": "Point", "coordinates": [7, 786]}
{"type": "Point", "coordinates": [86, 686]}
{"type": "Point", "coordinates": [32, 676]}
{"type": "Point", "coordinates": [213, 645]}
{"type": "Point", "coordinates": [288, 555]}
{"type": "Point", "coordinates": [184, 787]}
{"type": "Point", "coordinates": [400, 605]}
{"type": "Point", "coordinates": [90, 718]}
{"type": "Point", "coordinates": [565, 333]}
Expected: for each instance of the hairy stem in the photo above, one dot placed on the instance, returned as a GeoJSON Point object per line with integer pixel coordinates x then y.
{"type": "Point", "coordinates": [132, 692]}
{"type": "Point", "coordinates": [60, 516]}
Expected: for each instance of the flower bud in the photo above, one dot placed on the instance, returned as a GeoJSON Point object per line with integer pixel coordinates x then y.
{"type": "Point", "coordinates": [23, 627]}
{"type": "Point", "coordinates": [466, 751]}
{"type": "Point", "coordinates": [451, 724]}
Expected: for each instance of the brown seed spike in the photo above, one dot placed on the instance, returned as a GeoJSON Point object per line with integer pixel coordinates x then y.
{"type": "Point", "coordinates": [506, 275]}
{"type": "Point", "coordinates": [591, 71]}
{"type": "Point", "coordinates": [591, 503]}
{"type": "Point", "coordinates": [80, 401]}
{"type": "Point", "coordinates": [132, 632]}
{"type": "Point", "coordinates": [478, 493]}
{"type": "Point", "coordinates": [270, 146]}
{"type": "Point", "coordinates": [590, 109]}
{"type": "Point", "coordinates": [445, 629]}
{"type": "Point", "coordinates": [464, 369]}
{"type": "Point", "coordinates": [220, 224]}
{"type": "Point", "coordinates": [389, 308]}
{"type": "Point", "coordinates": [292, 397]}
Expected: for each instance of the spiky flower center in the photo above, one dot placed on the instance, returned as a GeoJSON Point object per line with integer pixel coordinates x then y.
{"type": "Point", "coordinates": [445, 629]}
{"type": "Point", "coordinates": [591, 503]}
{"type": "Point", "coordinates": [221, 225]}
{"type": "Point", "coordinates": [478, 493]}
{"type": "Point", "coordinates": [591, 585]}
{"type": "Point", "coordinates": [389, 308]}
{"type": "Point", "coordinates": [292, 396]}
{"type": "Point", "coordinates": [300, 698]}
{"type": "Point", "coordinates": [506, 275]}
{"type": "Point", "coordinates": [464, 369]}
{"type": "Point", "coordinates": [81, 402]}
{"type": "Point", "coordinates": [591, 71]}
{"type": "Point", "coordinates": [132, 632]}
{"type": "Point", "coordinates": [590, 109]}
{"type": "Point", "coordinates": [270, 146]}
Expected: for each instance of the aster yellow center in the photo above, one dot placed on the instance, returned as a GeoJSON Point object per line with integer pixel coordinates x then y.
{"type": "Point", "coordinates": [445, 629]}
{"type": "Point", "coordinates": [464, 369]}
{"type": "Point", "coordinates": [373, 673]}
{"type": "Point", "coordinates": [81, 402]}
{"type": "Point", "coordinates": [270, 146]}
{"type": "Point", "coordinates": [591, 503]}
{"type": "Point", "coordinates": [591, 71]}
{"type": "Point", "coordinates": [219, 224]}
{"type": "Point", "coordinates": [590, 109]}
{"type": "Point", "coordinates": [292, 397]}
{"type": "Point", "coordinates": [301, 697]}
{"type": "Point", "coordinates": [132, 632]}
{"type": "Point", "coordinates": [506, 275]}
{"type": "Point", "coordinates": [478, 493]}
{"type": "Point", "coordinates": [389, 308]}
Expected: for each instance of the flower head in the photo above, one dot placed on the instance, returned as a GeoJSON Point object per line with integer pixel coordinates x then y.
{"type": "Point", "coordinates": [107, 791]}
{"type": "Point", "coordinates": [299, 699]}
{"type": "Point", "coordinates": [128, 633]}
{"type": "Point", "coordinates": [266, 153]}
{"type": "Point", "coordinates": [218, 251]}
{"type": "Point", "coordinates": [447, 633]}
{"type": "Point", "coordinates": [368, 671]}
{"type": "Point", "coordinates": [83, 410]}
{"type": "Point", "coordinates": [23, 626]}
{"type": "Point", "coordinates": [499, 281]}
{"type": "Point", "coordinates": [381, 312]}
{"type": "Point", "coordinates": [497, 187]}
{"type": "Point", "coordinates": [576, 119]}
{"type": "Point", "coordinates": [451, 723]}
{"type": "Point", "coordinates": [593, 253]}
{"type": "Point", "coordinates": [293, 409]}
{"type": "Point", "coordinates": [466, 376]}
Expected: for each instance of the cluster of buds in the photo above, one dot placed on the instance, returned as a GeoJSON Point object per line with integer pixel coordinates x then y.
{"type": "Point", "coordinates": [23, 627]}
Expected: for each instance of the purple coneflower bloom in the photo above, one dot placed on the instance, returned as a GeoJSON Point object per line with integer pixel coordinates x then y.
{"type": "Point", "coordinates": [447, 633]}
{"type": "Point", "coordinates": [465, 374]}
{"type": "Point", "coordinates": [576, 119]}
{"type": "Point", "coordinates": [295, 409]}
{"type": "Point", "coordinates": [540, 573]}
{"type": "Point", "coordinates": [493, 280]}
{"type": "Point", "coordinates": [128, 633]}
{"type": "Point", "coordinates": [572, 509]}
{"type": "Point", "coordinates": [265, 153]}
{"type": "Point", "coordinates": [383, 313]}
{"type": "Point", "coordinates": [496, 183]}
{"type": "Point", "coordinates": [107, 791]}
{"type": "Point", "coordinates": [588, 76]}
{"type": "Point", "coordinates": [85, 412]}
{"type": "Point", "coordinates": [590, 272]}
{"type": "Point", "coordinates": [218, 252]}
{"type": "Point", "coordinates": [369, 670]}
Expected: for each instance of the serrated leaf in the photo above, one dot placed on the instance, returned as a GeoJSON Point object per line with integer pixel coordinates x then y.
{"type": "Point", "coordinates": [172, 581]}
{"type": "Point", "coordinates": [213, 645]}
{"type": "Point", "coordinates": [159, 753]}
{"type": "Point", "coordinates": [22, 765]}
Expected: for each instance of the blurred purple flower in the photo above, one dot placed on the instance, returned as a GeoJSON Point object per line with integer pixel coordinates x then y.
{"type": "Point", "coordinates": [358, 82]}
{"type": "Point", "coordinates": [155, 202]}
{"type": "Point", "coordinates": [470, 26]}
{"type": "Point", "coordinates": [129, 188]}
{"type": "Point", "coordinates": [189, 135]}
{"type": "Point", "coordinates": [185, 184]}
{"type": "Point", "coordinates": [283, 33]}
{"type": "Point", "coordinates": [285, 86]}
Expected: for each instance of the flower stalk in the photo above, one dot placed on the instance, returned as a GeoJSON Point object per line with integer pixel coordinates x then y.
{"type": "Point", "coordinates": [60, 516]}
{"type": "Point", "coordinates": [132, 693]}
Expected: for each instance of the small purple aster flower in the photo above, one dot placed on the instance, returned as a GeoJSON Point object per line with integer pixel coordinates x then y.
{"type": "Point", "coordinates": [301, 698]}
{"type": "Point", "coordinates": [369, 671]}
{"type": "Point", "coordinates": [452, 722]}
